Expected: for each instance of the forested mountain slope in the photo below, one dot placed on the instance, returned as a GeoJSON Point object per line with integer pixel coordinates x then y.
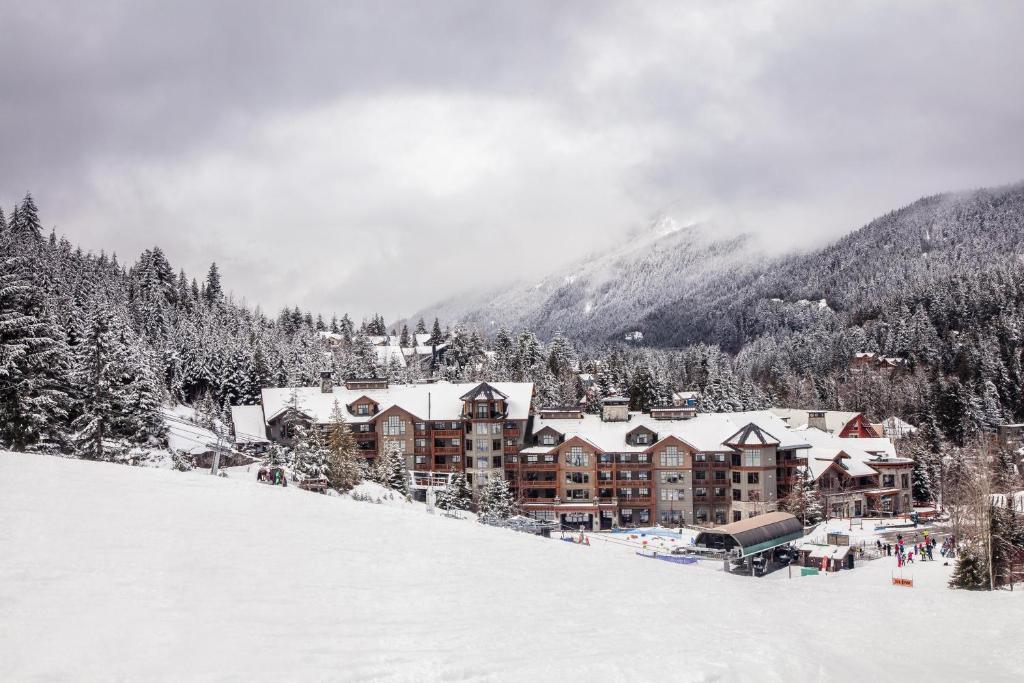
{"type": "Point", "coordinates": [911, 249]}
{"type": "Point", "coordinates": [608, 293]}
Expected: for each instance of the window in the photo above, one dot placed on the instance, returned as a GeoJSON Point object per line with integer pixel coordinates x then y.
{"type": "Point", "coordinates": [456, 442]}
{"type": "Point", "coordinates": [577, 478]}
{"type": "Point", "coordinates": [671, 477]}
{"type": "Point", "coordinates": [421, 443]}
{"type": "Point", "coordinates": [643, 492]}
{"type": "Point", "coordinates": [700, 475]}
{"type": "Point", "coordinates": [735, 459]}
{"type": "Point", "coordinates": [719, 492]}
{"type": "Point", "coordinates": [753, 478]}
{"type": "Point", "coordinates": [737, 515]}
{"type": "Point", "coordinates": [751, 458]}
{"type": "Point", "coordinates": [421, 459]}
{"type": "Point", "coordinates": [496, 461]}
{"type": "Point", "coordinates": [496, 445]}
{"type": "Point", "coordinates": [481, 446]}
{"type": "Point", "coordinates": [626, 475]}
{"type": "Point", "coordinates": [362, 409]}
{"type": "Point", "coordinates": [496, 428]}
{"type": "Point", "coordinates": [364, 427]}
{"type": "Point", "coordinates": [735, 477]}
{"type": "Point", "coordinates": [719, 457]}
{"type": "Point", "coordinates": [542, 515]}
{"type": "Point", "coordinates": [481, 427]}
{"type": "Point", "coordinates": [719, 516]}
{"type": "Point", "coordinates": [645, 516]}
{"type": "Point", "coordinates": [671, 457]}
{"type": "Point", "coordinates": [701, 515]}
{"type": "Point", "coordinates": [469, 444]}
{"type": "Point", "coordinates": [643, 475]}
{"type": "Point", "coordinates": [671, 494]}
{"type": "Point", "coordinates": [643, 457]}
{"type": "Point", "coordinates": [482, 463]}
{"type": "Point", "coordinates": [394, 426]}
{"type": "Point", "coordinates": [737, 494]}
{"type": "Point", "coordinates": [719, 475]}
{"type": "Point", "coordinates": [905, 481]}
{"type": "Point", "coordinates": [700, 457]}
{"type": "Point", "coordinates": [482, 409]}
{"type": "Point", "coordinates": [531, 458]}
{"type": "Point", "coordinates": [700, 492]}
{"type": "Point", "coordinates": [576, 457]}
{"type": "Point", "coordinates": [577, 494]}
{"type": "Point", "coordinates": [469, 461]}
{"type": "Point", "coordinates": [548, 439]}
{"type": "Point", "coordinates": [888, 480]}
{"type": "Point", "coordinates": [510, 442]}
{"type": "Point", "coordinates": [421, 426]}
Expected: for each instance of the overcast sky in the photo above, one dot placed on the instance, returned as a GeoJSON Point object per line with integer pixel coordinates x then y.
{"type": "Point", "coordinates": [378, 156]}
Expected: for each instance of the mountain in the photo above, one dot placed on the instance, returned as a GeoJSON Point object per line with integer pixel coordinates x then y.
{"type": "Point", "coordinates": [607, 294]}
{"type": "Point", "coordinates": [684, 285]}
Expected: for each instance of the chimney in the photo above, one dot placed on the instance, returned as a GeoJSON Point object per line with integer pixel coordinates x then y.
{"type": "Point", "coordinates": [326, 382]}
{"type": "Point", "coordinates": [816, 419]}
{"type": "Point", "coordinates": [615, 409]}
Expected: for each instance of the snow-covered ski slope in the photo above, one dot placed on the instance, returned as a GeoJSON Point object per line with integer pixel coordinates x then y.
{"type": "Point", "coordinates": [116, 573]}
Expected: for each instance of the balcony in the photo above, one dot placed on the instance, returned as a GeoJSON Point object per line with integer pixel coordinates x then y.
{"type": "Point", "coordinates": [538, 465]}
{"type": "Point", "coordinates": [446, 433]}
{"type": "Point", "coordinates": [630, 501]}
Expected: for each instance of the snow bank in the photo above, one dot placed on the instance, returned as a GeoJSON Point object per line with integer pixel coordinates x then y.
{"type": "Point", "coordinates": [111, 572]}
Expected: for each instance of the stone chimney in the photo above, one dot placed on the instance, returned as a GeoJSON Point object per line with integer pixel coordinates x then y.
{"type": "Point", "coordinates": [816, 419]}
{"type": "Point", "coordinates": [326, 382]}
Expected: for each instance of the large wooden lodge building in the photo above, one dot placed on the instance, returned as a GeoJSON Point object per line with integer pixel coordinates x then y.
{"type": "Point", "coordinates": [619, 468]}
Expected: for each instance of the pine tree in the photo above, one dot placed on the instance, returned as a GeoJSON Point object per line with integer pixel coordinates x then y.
{"type": "Point", "coordinates": [347, 466]}
{"type": "Point", "coordinates": [317, 461]}
{"type": "Point", "coordinates": [97, 374]}
{"type": "Point", "coordinates": [405, 340]}
{"type": "Point", "coordinates": [390, 469]}
{"type": "Point", "coordinates": [496, 499]}
{"type": "Point", "coordinates": [421, 327]}
{"type": "Point", "coordinates": [25, 221]}
{"type": "Point", "coordinates": [33, 360]}
{"type": "Point", "coordinates": [436, 336]}
{"type": "Point", "coordinates": [971, 570]}
{"type": "Point", "coordinates": [212, 292]}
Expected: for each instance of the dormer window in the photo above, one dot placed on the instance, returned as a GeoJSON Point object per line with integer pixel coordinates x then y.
{"type": "Point", "coordinates": [641, 439]}
{"type": "Point", "coordinates": [482, 410]}
{"type": "Point", "coordinates": [548, 439]}
{"type": "Point", "coordinates": [362, 409]}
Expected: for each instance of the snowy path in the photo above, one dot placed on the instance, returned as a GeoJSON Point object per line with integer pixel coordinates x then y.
{"type": "Point", "coordinates": [110, 572]}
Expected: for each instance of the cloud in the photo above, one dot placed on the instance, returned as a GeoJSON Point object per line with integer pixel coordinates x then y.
{"type": "Point", "coordinates": [379, 156]}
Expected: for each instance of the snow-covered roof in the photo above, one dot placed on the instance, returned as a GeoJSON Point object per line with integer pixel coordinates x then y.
{"type": "Point", "coordinates": [835, 420]}
{"type": "Point", "coordinates": [387, 354]}
{"type": "Point", "coordinates": [861, 454]}
{"type": "Point", "coordinates": [435, 401]}
{"type": "Point", "coordinates": [706, 432]}
{"type": "Point", "coordinates": [186, 437]}
{"type": "Point", "coordinates": [250, 426]}
{"type": "Point", "coordinates": [896, 428]}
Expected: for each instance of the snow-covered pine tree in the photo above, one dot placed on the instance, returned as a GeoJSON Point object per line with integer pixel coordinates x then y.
{"type": "Point", "coordinates": [316, 462]}
{"type": "Point", "coordinates": [213, 292]}
{"type": "Point", "coordinates": [33, 359]}
{"type": "Point", "coordinates": [496, 499]}
{"type": "Point", "coordinates": [390, 467]}
{"type": "Point", "coordinates": [97, 378]}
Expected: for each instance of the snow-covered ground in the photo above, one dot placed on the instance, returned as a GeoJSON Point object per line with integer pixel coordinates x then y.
{"type": "Point", "coordinates": [111, 572]}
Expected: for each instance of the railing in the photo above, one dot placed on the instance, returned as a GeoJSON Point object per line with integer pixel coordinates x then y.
{"type": "Point", "coordinates": [447, 450]}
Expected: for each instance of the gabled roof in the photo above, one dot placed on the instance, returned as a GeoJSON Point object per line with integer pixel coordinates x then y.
{"type": "Point", "coordinates": [483, 392]}
{"type": "Point", "coordinates": [752, 435]}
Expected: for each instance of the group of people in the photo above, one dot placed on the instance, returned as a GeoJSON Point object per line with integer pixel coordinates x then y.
{"type": "Point", "coordinates": [275, 476]}
{"type": "Point", "coordinates": [921, 548]}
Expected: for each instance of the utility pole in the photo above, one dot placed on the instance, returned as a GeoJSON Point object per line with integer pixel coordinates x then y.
{"type": "Point", "coordinates": [216, 452]}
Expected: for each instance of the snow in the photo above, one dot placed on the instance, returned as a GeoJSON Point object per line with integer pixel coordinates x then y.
{"type": "Point", "coordinates": [184, 437]}
{"type": "Point", "coordinates": [250, 426]}
{"type": "Point", "coordinates": [119, 573]}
